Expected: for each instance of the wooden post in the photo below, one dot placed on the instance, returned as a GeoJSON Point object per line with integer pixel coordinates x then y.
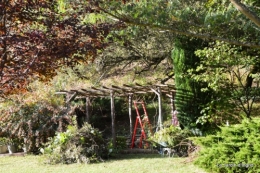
{"type": "Point", "coordinates": [87, 109]}
{"type": "Point", "coordinates": [160, 118]}
{"type": "Point", "coordinates": [172, 102]}
{"type": "Point", "coordinates": [113, 118]}
{"type": "Point", "coordinates": [130, 113]}
{"type": "Point", "coordinates": [175, 121]}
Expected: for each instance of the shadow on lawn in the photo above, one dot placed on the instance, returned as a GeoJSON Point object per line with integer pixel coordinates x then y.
{"type": "Point", "coordinates": [134, 156]}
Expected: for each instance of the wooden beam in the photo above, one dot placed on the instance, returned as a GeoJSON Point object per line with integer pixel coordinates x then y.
{"type": "Point", "coordinates": [129, 87]}
{"type": "Point", "coordinates": [69, 99]}
{"type": "Point", "coordinates": [91, 92]}
{"type": "Point", "coordinates": [61, 92]}
{"type": "Point", "coordinates": [112, 89]}
{"type": "Point", "coordinates": [101, 90]}
{"type": "Point", "coordinates": [121, 88]}
{"type": "Point", "coordinates": [140, 92]}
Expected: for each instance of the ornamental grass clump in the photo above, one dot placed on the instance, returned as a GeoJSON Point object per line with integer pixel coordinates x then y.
{"type": "Point", "coordinates": [235, 148]}
{"type": "Point", "coordinates": [84, 145]}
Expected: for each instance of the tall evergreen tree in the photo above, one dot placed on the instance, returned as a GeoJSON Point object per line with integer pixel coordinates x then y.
{"type": "Point", "coordinates": [189, 98]}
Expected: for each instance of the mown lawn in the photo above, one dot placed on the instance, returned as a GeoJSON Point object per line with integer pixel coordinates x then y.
{"type": "Point", "coordinates": [130, 163]}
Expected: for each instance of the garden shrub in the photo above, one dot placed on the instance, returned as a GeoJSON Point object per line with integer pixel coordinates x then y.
{"type": "Point", "coordinates": [33, 122]}
{"type": "Point", "coordinates": [120, 145]}
{"type": "Point", "coordinates": [84, 145]}
{"type": "Point", "coordinates": [235, 148]}
{"type": "Point", "coordinates": [174, 137]}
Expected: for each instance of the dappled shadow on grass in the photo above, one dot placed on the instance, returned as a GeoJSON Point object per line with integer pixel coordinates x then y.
{"type": "Point", "coordinates": [134, 156]}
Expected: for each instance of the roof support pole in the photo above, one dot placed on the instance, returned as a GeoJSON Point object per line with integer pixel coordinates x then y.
{"type": "Point", "coordinates": [160, 109]}
{"type": "Point", "coordinates": [130, 96]}
{"type": "Point", "coordinates": [172, 102]}
{"type": "Point", "coordinates": [87, 109]}
{"type": "Point", "coordinates": [174, 118]}
{"type": "Point", "coordinates": [160, 117]}
{"type": "Point", "coordinates": [113, 118]}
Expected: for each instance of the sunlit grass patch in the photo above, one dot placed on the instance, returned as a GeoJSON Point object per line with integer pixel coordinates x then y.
{"type": "Point", "coordinates": [130, 163]}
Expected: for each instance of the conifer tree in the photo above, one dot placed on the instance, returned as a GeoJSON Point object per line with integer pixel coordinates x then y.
{"type": "Point", "coordinates": [189, 98]}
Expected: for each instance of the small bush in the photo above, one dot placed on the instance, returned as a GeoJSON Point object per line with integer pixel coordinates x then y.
{"type": "Point", "coordinates": [84, 145]}
{"type": "Point", "coordinates": [174, 137]}
{"type": "Point", "coordinates": [234, 149]}
{"type": "Point", "coordinates": [3, 141]}
{"type": "Point", "coordinates": [34, 122]}
{"type": "Point", "coordinates": [120, 145]}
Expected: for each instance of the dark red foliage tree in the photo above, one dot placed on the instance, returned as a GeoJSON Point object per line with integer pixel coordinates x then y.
{"type": "Point", "coordinates": [36, 39]}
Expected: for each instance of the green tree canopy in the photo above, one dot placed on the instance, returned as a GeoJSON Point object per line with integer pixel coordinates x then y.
{"type": "Point", "coordinates": [206, 19]}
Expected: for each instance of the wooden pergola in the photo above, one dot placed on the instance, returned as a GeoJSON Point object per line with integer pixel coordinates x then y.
{"type": "Point", "coordinates": [123, 91]}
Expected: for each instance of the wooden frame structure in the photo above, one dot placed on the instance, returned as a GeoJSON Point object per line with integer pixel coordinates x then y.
{"type": "Point", "coordinates": [123, 91]}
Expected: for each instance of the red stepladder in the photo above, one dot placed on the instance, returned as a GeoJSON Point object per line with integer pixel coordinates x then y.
{"type": "Point", "coordinates": [142, 123]}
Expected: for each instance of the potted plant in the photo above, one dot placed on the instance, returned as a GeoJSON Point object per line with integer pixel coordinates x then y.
{"type": "Point", "coordinates": [3, 145]}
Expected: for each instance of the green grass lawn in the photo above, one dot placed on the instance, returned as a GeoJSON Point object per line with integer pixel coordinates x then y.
{"type": "Point", "coordinates": [130, 163]}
